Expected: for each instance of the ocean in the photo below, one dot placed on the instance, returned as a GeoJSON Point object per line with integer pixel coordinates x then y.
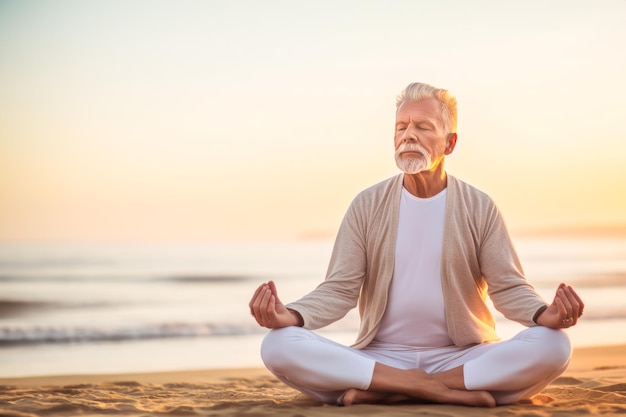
{"type": "Point", "coordinates": [82, 309]}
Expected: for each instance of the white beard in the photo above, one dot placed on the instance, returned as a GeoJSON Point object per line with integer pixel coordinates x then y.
{"type": "Point", "coordinates": [413, 165]}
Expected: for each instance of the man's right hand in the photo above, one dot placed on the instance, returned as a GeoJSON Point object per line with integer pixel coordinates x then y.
{"type": "Point", "coordinates": [268, 310]}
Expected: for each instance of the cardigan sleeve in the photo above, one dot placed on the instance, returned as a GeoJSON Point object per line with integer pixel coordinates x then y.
{"type": "Point", "coordinates": [339, 292]}
{"type": "Point", "coordinates": [508, 288]}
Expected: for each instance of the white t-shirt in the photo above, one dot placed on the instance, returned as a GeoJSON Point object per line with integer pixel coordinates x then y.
{"type": "Point", "coordinates": [415, 314]}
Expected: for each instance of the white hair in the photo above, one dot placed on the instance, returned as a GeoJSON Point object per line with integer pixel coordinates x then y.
{"type": "Point", "coordinates": [420, 91]}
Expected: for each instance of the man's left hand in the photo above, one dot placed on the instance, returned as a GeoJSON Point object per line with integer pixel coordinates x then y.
{"type": "Point", "coordinates": [564, 311]}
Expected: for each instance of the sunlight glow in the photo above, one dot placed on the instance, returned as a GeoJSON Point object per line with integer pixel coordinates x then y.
{"type": "Point", "coordinates": [262, 120]}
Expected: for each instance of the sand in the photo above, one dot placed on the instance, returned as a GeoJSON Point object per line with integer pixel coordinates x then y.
{"type": "Point", "coordinates": [594, 384]}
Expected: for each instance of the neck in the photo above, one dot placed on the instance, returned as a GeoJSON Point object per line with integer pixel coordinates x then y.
{"type": "Point", "coordinates": [425, 184]}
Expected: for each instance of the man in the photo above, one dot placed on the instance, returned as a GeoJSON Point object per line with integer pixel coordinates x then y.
{"type": "Point", "coordinates": [419, 253]}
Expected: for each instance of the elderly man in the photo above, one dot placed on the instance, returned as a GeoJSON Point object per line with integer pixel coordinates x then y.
{"type": "Point", "coordinates": [419, 253]}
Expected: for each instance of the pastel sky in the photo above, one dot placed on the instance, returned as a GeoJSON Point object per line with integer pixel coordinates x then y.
{"type": "Point", "coordinates": [209, 120]}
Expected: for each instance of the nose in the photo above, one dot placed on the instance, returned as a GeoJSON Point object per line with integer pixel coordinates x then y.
{"type": "Point", "coordinates": [409, 135]}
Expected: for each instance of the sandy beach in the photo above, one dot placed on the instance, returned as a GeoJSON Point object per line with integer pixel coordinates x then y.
{"type": "Point", "coordinates": [594, 384]}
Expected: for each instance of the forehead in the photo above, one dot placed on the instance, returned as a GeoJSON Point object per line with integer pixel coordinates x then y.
{"type": "Point", "coordinates": [427, 109]}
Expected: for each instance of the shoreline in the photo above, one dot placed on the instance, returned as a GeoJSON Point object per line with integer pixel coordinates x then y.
{"type": "Point", "coordinates": [593, 384]}
{"type": "Point", "coordinates": [583, 358]}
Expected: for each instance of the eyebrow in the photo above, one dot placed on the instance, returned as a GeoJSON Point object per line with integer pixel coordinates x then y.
{"type": "Point", "coordinates": [421, 122]}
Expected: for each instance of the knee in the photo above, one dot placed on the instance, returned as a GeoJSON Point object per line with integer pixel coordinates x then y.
{"type": "Point", "coordinates": [277, 347]}
{"type": "Point", "coordinates": [554, 348]}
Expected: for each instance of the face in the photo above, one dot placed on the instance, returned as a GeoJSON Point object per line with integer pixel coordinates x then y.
{"type": "Point", "coordinates": [420, 137]}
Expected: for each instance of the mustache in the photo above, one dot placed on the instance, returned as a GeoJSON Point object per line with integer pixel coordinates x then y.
{"type": "Point", "coordinates": [411, 147]}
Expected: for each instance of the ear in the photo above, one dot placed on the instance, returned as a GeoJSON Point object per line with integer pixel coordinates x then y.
{"type": "Point", "coordinates": [451, 143]}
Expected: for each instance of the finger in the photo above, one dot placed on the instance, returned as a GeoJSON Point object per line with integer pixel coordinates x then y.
{"type": "Point", "coordinates": [565, 319]}
{"type": "Point", "coordinates": [272, 286]}
{"type": "Point", "coordinates": [574, 303]}
{"type": "Point", "coordinates": [260, 303]}
{"type": "Point", "coordinates": [260, 306]}
{"type": "Point", "coordinates": [566, 302]}
{"type": "Point", "coordinates": [256, 305]}
{"type": "Point", "coordinates": [254, 298]}
{"type": "Point", "coordinates": [559, 290]}
{"type": "Point", "coordinates": [257, 318]}
{"type": "Point", "coordinates": [580, 302]}
{"type": "Point", "coordinates": [562, 310]}
{"type": "Point", "coordinates": [271, 307]}
{"type": "Point", "coordinates": [263, 306]}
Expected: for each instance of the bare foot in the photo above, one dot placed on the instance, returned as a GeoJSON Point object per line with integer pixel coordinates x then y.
{"type": "Point", "coordinates": [357, 396]}
{"type": "Point", "coordinates": [417, 384]}
{"type": "Point", "coordinates": [426, 387]}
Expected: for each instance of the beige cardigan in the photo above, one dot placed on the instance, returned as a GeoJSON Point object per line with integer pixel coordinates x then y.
{"type": "Point", "coordinates": [478, 259]}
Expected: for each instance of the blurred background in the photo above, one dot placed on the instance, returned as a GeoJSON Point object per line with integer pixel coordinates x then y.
{"type": "Point", "coordinates": [161, 159]}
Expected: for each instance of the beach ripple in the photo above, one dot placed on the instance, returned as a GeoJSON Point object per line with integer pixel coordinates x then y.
{"type": "Point", "coordinates": [266, 396]}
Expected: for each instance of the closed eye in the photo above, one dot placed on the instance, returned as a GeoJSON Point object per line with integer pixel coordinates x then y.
{"type": "Point", "coordinates": [400, 127]}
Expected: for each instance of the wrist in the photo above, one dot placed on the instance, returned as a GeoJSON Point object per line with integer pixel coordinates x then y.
{"type": "Point", "coordinates": [538, 314]}
{"type": "Point", "coordinates": [297, 318]}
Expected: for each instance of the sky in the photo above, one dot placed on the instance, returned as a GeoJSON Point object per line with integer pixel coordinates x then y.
{"type": "Point", "coordinates": [250, 120]}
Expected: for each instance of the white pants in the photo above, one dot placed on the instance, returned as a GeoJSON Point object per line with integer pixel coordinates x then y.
{"type": "Point", "coordinates": [510, 370]}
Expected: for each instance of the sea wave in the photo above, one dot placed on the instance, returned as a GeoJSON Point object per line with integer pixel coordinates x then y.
{"type": "Point", "coordinates": [125, 278]}
{"type": "Point", "coordinates": [10, 336]}
{"type": "Point", "coordinates": [18, 307]}
{"type": "Point", "coordinates": [42, 335]}
{"type": "Point", "coordinates": [13, 307]}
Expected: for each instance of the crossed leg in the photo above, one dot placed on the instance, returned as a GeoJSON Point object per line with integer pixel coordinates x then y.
{"type": "Point", "coordinates": [391, 385]}
{"type": "Point", "coordinates": [479, 376]}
